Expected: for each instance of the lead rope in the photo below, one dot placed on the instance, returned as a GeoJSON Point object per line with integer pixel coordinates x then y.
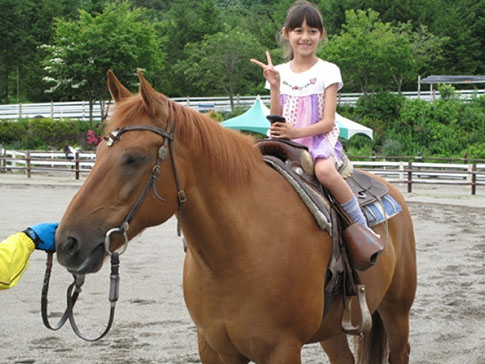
{"type": "Point", "coordinates": [72, 294]}
{"type": "Point", "coordinates": [113, 298]}
{"type": "Point", "coordinates": [44, 299]}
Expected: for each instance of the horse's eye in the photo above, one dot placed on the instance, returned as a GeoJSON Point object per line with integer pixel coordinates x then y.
{"type": "Point", "coordinates": [134, 160]}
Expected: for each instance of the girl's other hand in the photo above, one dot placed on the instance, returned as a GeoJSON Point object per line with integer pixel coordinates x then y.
{"type": "Point", "coordinates": [283, 130]}
{"type": "Point", "coordinates": [269, 72]}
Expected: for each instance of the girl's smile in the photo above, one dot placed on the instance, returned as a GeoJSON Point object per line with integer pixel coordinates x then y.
{"type": "Point", "coordinates": [304, 40]}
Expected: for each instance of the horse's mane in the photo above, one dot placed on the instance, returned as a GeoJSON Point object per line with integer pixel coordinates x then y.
{"type": "Point", "coordinates": [231, 155]}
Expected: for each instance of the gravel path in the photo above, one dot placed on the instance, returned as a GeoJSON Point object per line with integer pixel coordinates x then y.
{"type": "Point", "coordinates": [152, 324]}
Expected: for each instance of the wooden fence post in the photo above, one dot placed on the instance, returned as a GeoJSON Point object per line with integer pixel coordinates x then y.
{"type": "Point", "coordinates": [401, 171]}
{"type": "Point", "coordinates": [28, 166]}
{"type": "Point", "coordinates": [410, 176]}
{"type": "Point", "coordinates": [474, 179]}
{"type": "Point", "coordinates": [77, 166]}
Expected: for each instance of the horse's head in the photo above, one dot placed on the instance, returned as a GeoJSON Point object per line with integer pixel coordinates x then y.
{"type": "Point", "coordinates": [134, 176]}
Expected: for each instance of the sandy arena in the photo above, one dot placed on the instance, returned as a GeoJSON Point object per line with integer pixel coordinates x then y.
{"type": "Point", "coordinates": [152, 324]}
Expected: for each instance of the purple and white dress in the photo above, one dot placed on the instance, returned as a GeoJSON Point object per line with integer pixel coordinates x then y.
{"type": "Point", "coordinates": [302, 102]}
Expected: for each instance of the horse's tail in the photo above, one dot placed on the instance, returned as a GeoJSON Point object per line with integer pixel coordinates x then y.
{"type": "Point", "coordinates": [372, 347]}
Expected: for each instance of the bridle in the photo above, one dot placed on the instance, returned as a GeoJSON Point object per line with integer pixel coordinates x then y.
{"type": "Point", "coordinates": [74, 288]}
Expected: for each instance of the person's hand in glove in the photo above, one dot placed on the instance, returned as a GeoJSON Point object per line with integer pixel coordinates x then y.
{"type": "Point", "coordinates": [43, 236]}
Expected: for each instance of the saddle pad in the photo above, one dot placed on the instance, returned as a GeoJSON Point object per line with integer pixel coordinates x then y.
{"type": "Point", "coordinates": [381, 210]}
{"type": "Point", "coordinates": [313, 199]}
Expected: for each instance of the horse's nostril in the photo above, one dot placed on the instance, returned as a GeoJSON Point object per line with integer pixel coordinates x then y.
{"type": "Point", "coordinates": [71, 246]}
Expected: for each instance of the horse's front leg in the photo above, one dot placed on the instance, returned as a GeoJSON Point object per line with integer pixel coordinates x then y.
{"type": "Point", "coordinates": [209, 356]}
{"type": "Point", "coordinates": [337, 350]}
{"type": "Point", "coordinates": [286, 352]}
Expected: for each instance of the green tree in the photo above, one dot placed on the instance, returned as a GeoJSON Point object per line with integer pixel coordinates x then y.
{"type": "Point", "coordinates": [257, 18]}
{"type": "Point", "coordinates": [25, 26]}
{"type": "Point", "coordinates": [85, 49]}
{"type": "Point", "coordinates": [372, 54]}
{"type": "Point", "coordinates": [16, 39]}
{"type": "Point", "coordinates": [220, 63]}
{"type": "Point", "coordinates": [416, 12]}
{"type": "Point", "coordinates": [463, 24]}
{"type": "Point", "coordinates": [427, 50]}
{"type": "Point", "coordinates": [187, 21]}
{"type": "Point", "coordinates": [44, 13]}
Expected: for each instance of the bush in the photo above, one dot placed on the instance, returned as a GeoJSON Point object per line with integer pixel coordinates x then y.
{"type": "Point", "coordinates": [45, 133]}
{"type": "Point", "coordinates": [11, 132]}
{"type": "Point", "coordinates": [476, 151]}
{"type": "Point", "coordinates": [358, 145]}
{"type": "Point", "coordinates": [446, 127]}
{"type": "Point", "coordinates": [399, 144]}
{"type": "Point", "coordinates": [447, 92]}
{"type": "Point", "coordinates": [378, 111]}
{"type": "Point", "coordinates": [382, 107]}
{"type": "Point", "coordinates": [236, 112]}
{"type": "Point", "coordinates": [217, 116]}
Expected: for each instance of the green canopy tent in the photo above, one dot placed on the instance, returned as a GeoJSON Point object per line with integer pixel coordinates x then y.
{"type": "Point", "coordinates": [349, 128]}
{"type": "Point", "coordinates": [254, 120]}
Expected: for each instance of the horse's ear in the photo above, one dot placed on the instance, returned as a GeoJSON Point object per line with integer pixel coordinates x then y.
{"type": "Point", "coordinates": [116, 89]}
{"type": "Point", "coordinates": [154, 102]}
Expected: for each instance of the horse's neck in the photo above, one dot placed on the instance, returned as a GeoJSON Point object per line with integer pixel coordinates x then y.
{"type": "Point", "coordinates": [214, 219]}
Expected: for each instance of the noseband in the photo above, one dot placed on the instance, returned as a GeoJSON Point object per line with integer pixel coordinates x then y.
{"type": "Point", "coordinates": [75, 288]}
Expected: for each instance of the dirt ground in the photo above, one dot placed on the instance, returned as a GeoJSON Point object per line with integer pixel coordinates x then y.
{"type": "Point", "coordinates": [152, 324]}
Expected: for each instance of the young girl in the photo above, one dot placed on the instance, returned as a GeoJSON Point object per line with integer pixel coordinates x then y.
{"type": "Point", "coordinates": [304, 91]}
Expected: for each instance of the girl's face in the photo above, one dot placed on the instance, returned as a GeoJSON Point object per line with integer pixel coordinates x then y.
{"type": "Point", "coordinates": [303, 40]}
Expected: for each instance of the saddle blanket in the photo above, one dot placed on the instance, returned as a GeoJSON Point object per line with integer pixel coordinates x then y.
{"type": "Point", "coordinates": [380, 211]}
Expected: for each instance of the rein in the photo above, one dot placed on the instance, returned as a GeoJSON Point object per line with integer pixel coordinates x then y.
{"type": "Point", "coordinates": [74, 288]}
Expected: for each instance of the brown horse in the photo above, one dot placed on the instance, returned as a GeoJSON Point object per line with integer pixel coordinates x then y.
{"type": "Point", "coordinates": [255, 269]}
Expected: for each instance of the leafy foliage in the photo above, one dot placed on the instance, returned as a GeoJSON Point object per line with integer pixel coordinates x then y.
{"type": "Point", "coordinates": [379, 45]}
{"type": "Point", "coordinates": [445, 127]}
{"type": "Point", "coordinates": [221, 62]}
{"type": "Point", "coordinates": [187, 22]}
{"type": "Point", "coordinates": [84, 50]}
{"type": "Point", "coordinates": [202, 47]}
{"type": "Point", "coordinates": [10, 132]}
{"type": "Point", "coordinates": [43, 133]}
{"type": "Point", "coordinates": [374, 55]}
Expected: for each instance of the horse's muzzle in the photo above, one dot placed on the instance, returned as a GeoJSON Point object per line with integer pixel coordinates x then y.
{"type": "Point", "coordinates": [94, 262]}
{"type": "Point", "coordinates": [70, 256]}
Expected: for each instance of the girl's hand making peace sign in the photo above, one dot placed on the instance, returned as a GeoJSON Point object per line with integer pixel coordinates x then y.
{"type": "Point", "coordinates": [269, 72]}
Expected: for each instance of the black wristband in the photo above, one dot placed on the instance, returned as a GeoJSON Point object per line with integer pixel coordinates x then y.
{"type": "Point", "coordinates": [32, 235]}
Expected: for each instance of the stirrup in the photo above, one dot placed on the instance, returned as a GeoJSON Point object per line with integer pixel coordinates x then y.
{"type": "Point", "coordinates": [365, 324]}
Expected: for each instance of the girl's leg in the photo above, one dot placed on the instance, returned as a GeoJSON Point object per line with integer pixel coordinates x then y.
{"type": "Point", "coordinates": [327, 175]}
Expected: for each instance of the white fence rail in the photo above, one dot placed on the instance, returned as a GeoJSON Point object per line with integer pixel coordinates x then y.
{"type": "Point", "coordinates": [409, 173]}
{"type": "Point", "coordinates": [80, 109]}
